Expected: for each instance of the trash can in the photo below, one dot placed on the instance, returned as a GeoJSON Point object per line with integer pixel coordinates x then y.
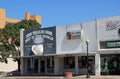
{"type": "Point", "coordinates": [68, 74]}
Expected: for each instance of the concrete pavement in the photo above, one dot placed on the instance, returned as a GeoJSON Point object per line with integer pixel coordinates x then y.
{"type": "Point", "coordinates": [61, 77]}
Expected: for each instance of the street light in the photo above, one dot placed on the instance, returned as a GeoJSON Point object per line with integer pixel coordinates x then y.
{"type": "Point", "coordinates": [87, 42]}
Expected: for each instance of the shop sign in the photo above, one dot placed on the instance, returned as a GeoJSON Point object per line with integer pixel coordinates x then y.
{"type": "Point", "coordinates": [71, 35]}
{"type": "Point", "coordinates": [38, 36]}
{"type": "Point", "coordinates": [113, 44]}
{"type": "Point", "coordinates": [112, 25]}
{"type": "Point", "coordinates": [40, 41]}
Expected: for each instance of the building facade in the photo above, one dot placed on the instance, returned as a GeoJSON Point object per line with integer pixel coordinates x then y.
{"type": "Point", "coordinates": [4, 19]}
{"type": "Point", "coordinates": [59, 49]}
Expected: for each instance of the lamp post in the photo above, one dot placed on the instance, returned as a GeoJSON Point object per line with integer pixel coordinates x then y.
{"type": "Point", "coordinates": [87, 42]}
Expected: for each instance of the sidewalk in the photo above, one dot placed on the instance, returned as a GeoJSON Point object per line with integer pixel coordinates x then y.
{"type": "Point", "coordinates": [98, 77]}
{"type": "Point", "coordinates": [61, 77]}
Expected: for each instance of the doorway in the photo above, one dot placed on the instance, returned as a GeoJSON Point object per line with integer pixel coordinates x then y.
{"type": "Point", "coordinates": [42, 68]}
{"type": "Point", "coordinates": [91, 64]}
{"type": "Point", "coordinates": [82, 63]}
{"type": "Point", "coordinates": [36, 65]}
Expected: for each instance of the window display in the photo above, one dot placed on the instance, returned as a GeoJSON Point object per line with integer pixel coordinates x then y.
{"type": "Point", "coordinates": [82, 62]}
{"type": "Point", "coordinates": [69, 62]}
{"type": "Point", "coordinates": [28, 65]}
{"type": "Point", "coordinates": [110, 63]}
{"type": "Point", "coordinates": [50, 64]}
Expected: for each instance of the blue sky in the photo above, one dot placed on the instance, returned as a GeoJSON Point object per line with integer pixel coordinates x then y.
{"type": "Point", "coordinates": [61, 12]}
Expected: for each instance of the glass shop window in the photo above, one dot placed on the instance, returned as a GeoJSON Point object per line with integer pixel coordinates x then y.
{"type": "Point", "coordinates": [50, 62]}
{"type": "Point", "coordinates": [69, 62]}
{"type": "Point", "coordinates": [28, 65]}
{"type": "Point", "coordinates": [111, 63]}
{"type": "Point", "coordinates": [82, 61]}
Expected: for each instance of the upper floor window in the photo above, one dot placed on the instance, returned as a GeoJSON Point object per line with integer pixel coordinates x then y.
{"type": "Point", "coordinates": [82, 61]}
{"type": "Point", "coordinates": [7, 22]}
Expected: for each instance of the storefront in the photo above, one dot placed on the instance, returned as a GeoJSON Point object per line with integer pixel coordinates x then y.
{"type": "Point", "coordinates": [54, 51]}
{"type": "Point", "coordinates": [109, 45]}
{"type": "Point", "coordinates": [76, 64]}
{"type": "Point", "coordinates": [39, 65]}
{"type": "Point", "coordinates": [110, 58]}
{"type": "Point", "coordinates": [59, 49]}
{"type": "Point", "coordinates": [110, 63]}
{"type": "Point", "coordinates": [38, 50]}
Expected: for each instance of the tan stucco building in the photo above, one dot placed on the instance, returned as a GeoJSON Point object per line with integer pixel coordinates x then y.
{"type": "Point", "coordinates": [12, 66]}
{"type": "Point", "coordinates": [4, 19]}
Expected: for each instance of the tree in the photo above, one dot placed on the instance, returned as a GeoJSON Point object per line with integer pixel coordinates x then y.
{"type": "Point", "coordinates": [10, 39]}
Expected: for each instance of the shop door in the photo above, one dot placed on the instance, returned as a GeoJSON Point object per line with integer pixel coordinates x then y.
{"type": "Point", "coordinates": [42, 68]}
{"type": "Point", "coordinates": [91, 65]}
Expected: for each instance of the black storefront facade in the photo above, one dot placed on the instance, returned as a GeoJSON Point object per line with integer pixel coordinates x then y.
{"type": "Point", "coordinates": [35, 61]}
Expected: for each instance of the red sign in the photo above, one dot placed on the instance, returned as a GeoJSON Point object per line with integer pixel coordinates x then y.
{"type": "Point", "coordinates": [112, 25]}
{"type": "Point", "coordinates": [73, 35]}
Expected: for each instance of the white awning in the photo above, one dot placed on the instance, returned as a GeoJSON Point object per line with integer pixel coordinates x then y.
{"type": "Point", "coordinates": [109, 51]}
{"type": "Point", "coordinates": [60, 55]}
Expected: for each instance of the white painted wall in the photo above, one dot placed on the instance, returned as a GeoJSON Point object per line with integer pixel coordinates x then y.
{"type": "Point", "coordinates": [9, 67]}
{"type": "Point", "coordinates": [89, 32]}
{"type": "Point", "coordinates": [65, 46]}
{"type": "Point", "coordinates": [104, 34]}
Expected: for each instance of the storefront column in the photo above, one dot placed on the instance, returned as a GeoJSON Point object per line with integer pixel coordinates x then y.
{"type": "Point", "coordinates": [22, 52]}
{"type": "Point", "coordinates": [39, 65]}
{"type": "Point", "coordinates": [56, 65]}
{"type": "Point", "coordinates": [25, 66]}
{"type": "Point", "coordinates": [76, 65]}
{"type": "Point", "coordinates": [45, 65]}
{"type": "Point", "coordinates": [22, 67]}
{"type": "Point", "coordinates": [97, 64]}
{"type": "Point", "coordinates": [31, 63]}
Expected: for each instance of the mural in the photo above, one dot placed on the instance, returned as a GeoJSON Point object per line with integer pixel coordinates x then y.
{"type": "Point", "coordinates": [40, 42]}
